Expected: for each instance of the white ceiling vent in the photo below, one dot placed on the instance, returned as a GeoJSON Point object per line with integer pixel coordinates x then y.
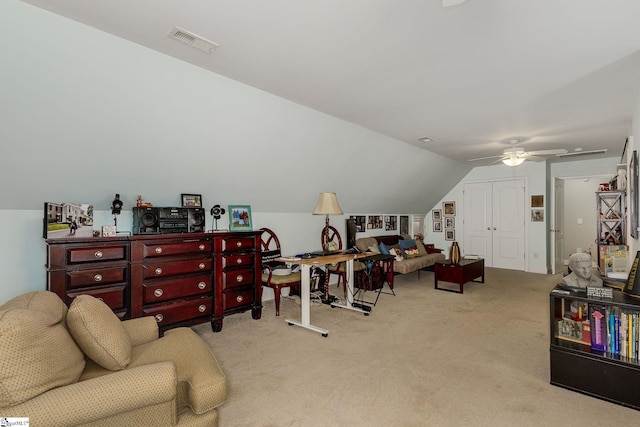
{"type": "Point", "coordinates": [192, 40]}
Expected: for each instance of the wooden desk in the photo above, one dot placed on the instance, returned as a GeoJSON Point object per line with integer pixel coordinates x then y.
{"type": "Point", "coordinates": [466, 271]}
{"type": "Point", "coordinates": [305, 288]}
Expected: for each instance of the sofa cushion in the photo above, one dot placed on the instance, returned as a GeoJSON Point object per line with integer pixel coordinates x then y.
{"type": "Point", "coordinates": [42, 301]}
{"type": "Point", "coordinates": [99, 333]}
{"type": "Point", "coordinates": [37, 352]}
{"type": "Point", "coordinates": [409, 248]}
{"type": "Point", "coordinates": [364, 243]}
{"type": "Point", "coordinates": [422, 251]}
{"type": "Point", "coordinates": [384, 250]}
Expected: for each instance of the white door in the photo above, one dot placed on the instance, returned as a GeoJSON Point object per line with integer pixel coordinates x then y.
{"type": "Point", "coordinates": [508, 224]}
{"type": "Point", "coordinates": [556, 230]}
{"type": "Point", "coordinates": [494, 222]}
{"type": "Point", "coordinates": [477, 221]}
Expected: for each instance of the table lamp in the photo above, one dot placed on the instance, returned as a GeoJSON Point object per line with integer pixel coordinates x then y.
{"type": "Point", "coordinates": [327, 205]}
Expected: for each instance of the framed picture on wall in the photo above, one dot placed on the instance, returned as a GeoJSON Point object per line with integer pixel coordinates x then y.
{"type": "Point", "coordinates": [240, 218]}
{"type": "Point", "coordinates": [449, 208]}
{"type": "Point", "coordinates": [449, 222]}
{"type": "Point", "coordinates": [437, 226]}
{"type": "Point", "coordinates": [449, 234]}
{"type": "Point", "coordinates": [436, 214]}
{"type": "Point", "coordinates": [404, 224]}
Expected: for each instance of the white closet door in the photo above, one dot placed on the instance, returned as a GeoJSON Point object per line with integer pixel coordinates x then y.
{"type": "Point", "coordinates": [494, 223]}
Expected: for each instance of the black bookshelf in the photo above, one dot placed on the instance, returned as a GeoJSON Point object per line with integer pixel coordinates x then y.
{"type": "Point", "coordinates": [612, 374]}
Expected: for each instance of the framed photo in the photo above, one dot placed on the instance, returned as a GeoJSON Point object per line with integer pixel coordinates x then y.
{"type": "Point", "coordinates": [537, 215]}
{"type": "Point", "coordinates": [240, 218]}
{"type": "Point", "coordinates": [449, 234]}
{"type": "Point", "coordinates": [67, 220]}
{"type": "Point", "coordinates": [360, 222]}
{"type": "Point", "coordinates": [109, 230]}
{"type": "Point", "coordinates": [404, 224]}
{"type": "Point", "coordinates": [436, 214]}
{"type": "Point", "coordinates": [191, 200]}
{"type": "Point", "coordinates": [449, 208]}
{"type": "Point", "coordinates": [449, 222]}
{"type": "Point", "coordinates": [537, 201]}
{"type": "Point", "coordinates": [437, 226]}
{"type": "Point", "coordinates": [390, 223]}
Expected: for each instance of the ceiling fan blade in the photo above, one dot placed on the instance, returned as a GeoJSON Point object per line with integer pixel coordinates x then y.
{"type": "Point", "coordinates": [547, 152]}
{"type": "Point", "coordinates": [583, 153]}
{"type": "Point", "coordinates": [486, 158]}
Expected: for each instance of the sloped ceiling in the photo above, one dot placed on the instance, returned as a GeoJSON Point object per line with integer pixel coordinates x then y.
{"type": "Point", "coordinates": [473, 76]}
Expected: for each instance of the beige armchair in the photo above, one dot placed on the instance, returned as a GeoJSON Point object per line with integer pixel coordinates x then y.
{"type": "Point", "coordinates": [83, 366]}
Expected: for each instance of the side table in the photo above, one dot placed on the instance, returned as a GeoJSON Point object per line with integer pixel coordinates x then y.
{"type": "Point", "coordinates": [467, 270]}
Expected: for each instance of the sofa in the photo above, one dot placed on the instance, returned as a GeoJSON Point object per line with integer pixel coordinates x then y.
{"type": "Point", "coordinates": [82, 366]}
{"type": "Point", "coordinates": [415, 257]}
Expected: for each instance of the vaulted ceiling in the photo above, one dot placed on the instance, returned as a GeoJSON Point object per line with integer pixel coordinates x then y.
{"type": "Point", "coordinates": [470, 75]}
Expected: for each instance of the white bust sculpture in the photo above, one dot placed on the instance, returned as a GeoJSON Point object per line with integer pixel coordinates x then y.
{"type": "Point", "coordinates": [582, 274]}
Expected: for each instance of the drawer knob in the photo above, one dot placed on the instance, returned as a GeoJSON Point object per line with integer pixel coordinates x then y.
{"type": "Point", "coordinates": [202, 285]}
{"type": "Point", "coordinates": [158, 250]}
{"type": "Point", "coordinates": [239, 278]}
{"type": "Point", "coordinates": [201, 266]}
{"type": "Point", "coordinates": [239, 261]}
{"type": "Point", "coordinates": [202, 308]}
{"type": "Point", "coordinates": [158, 293]}
{"type": "Point", "coordinates": [97, 277]}
{"type": "Point", "coordinates": [98, 254]}
{"type": "Point", "coordinates": [201, 247]}
{"type": "Point", "coordinates": [159, 318]}
{"type": "Point", "coordinates": [239, 298]}
{"type": "Point", "coordinates": [239, 244]}
{"type": "Point", "coordinates": [158, 271]}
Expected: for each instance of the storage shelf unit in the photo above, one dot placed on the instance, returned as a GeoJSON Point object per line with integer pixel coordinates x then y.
{"type": "Point", "coordinates": [612, 374]}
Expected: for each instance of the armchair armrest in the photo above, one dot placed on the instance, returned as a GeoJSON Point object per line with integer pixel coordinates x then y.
{"type": "Point", "coordinates": [103, 397]}
{"type": "Point", "coordinates": [142, 329]}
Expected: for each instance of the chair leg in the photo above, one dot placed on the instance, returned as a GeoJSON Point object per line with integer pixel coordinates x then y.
{"type": "Point", "coordinates": [276, 292]}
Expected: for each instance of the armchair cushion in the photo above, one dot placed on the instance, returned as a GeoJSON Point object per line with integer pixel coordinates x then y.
{"type": "Point", "coordinates": [37, 354]}
{"type": "Point", "coordinates": [99, 333]}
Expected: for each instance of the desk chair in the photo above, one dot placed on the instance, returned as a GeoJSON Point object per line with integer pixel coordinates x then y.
{"type": "Point", "coordinates": [331, 240]}
{"type": "Point", "coordinates": [275, 274]}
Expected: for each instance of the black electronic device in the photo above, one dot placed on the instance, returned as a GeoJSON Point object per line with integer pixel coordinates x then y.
{"type": "Point", "coordinates": [196, 220]}
{"type": "Point", "coordinates": [351, 232]}
{"type": "Point", "coordinates": [173, 220]}
{"type": "Point", "coordinates": [146, 220]}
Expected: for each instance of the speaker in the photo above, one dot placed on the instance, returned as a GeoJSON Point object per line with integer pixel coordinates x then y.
{"type": "Point", "coordinates": [196, 221]}
{"type": "Point", "coordinates": [146, 220]}
{"type": "Point", "coordinates": [351, 233]}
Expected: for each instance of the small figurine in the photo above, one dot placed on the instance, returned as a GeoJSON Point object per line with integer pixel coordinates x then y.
{"type": "Point", "coordinates": [582, 274]}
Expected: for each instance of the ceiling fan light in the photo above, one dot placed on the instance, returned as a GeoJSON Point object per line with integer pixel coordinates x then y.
{"type": "Point", "coordinates": [513, 161]}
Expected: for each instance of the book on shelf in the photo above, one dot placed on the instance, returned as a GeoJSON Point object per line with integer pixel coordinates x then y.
{"type": "Point", "coordinates": [614, 258]}
{"type": "Point", "coordinates": [598, 320]}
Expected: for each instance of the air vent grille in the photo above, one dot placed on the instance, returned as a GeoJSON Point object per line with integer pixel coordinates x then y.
{"type": "Point", "coordinates": [192, 40]}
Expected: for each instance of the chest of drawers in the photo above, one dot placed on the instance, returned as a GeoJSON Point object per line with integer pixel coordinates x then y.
{"type": "Point", "coordinates": [180, 279]}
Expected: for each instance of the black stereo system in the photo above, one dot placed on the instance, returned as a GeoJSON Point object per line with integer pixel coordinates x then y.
{"type": "Point", "coordinates": [153, 220]}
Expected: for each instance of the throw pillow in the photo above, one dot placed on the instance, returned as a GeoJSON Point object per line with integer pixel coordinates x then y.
{"type": "Point", "coordinates": [396, 253]}
{"type": "Point", "coordinates": [409, 248]}
{"type": "Point", "coordinates": [421, 249]}
{"type": "Point", "coordinates": [99, 333]}
{"type": "Point", "coordinates": [384, 250]}
{"type": "Point", "coordinates": [37, 355]}
{"type": "Point", "coordinates": [374, 249]}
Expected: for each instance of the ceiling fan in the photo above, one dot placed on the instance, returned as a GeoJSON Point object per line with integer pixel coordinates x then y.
{"type": "Point", "coordinates": [514, 156]}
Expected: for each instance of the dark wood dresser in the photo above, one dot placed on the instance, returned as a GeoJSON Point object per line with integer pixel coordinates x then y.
{"type": "Point", "coordinates": [180, 279]}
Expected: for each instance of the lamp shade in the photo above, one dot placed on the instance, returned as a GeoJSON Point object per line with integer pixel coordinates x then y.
{"type": "Point", "coordinates": [327, 205]}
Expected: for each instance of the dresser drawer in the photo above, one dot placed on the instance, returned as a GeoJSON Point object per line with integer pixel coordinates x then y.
{"type": "Point", "coordinates": [96, 254]}
{"type": "Point", "coordinates": [96, 276]}
{"type": "Point", "coordinates": [164, 269]}
{"type": "Point", "coordinates": [159, 249]}
{"type": "Point", "coordinates": [180, 311]}
{"type": "Point", "coordinates": [238, 260]}
{"type": "Point", "coordinates": [113, 296]}
{"type": "Point", "coordinates": [233, 299]}
{"type": "Point", "coordinates": [162, 290]}
{"type": "Point", "coordinates": [238, 244]}
{"type": "Point", "coordinates": [238, 277]}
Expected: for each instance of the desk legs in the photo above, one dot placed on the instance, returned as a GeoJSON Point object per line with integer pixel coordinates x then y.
{"type": "Point", "coordinates": [305, 302]}
{"type": "Point", "coordinates": [349, 304]}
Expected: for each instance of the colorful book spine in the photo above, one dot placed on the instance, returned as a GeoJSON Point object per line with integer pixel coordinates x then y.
{"type": "Point", "coordinates": [598, 320]}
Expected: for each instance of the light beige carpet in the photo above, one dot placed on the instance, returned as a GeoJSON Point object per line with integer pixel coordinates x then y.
{"type": "Point", "coordinates": [422, 358]}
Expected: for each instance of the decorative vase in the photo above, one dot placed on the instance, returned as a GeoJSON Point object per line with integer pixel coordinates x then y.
{"type": "Point", "coordinates": [454, 253]}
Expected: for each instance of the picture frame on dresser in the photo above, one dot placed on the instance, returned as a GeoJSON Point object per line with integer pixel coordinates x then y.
{"type": "Point", "coordinates": [67, 220]}
{"type": "Point", "coordinates": [191, 200]}
{"type": "Point", "coordinates": [240, 218]}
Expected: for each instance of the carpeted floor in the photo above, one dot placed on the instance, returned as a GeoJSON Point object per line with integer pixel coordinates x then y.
{"type": "Point", "coordinates": [422, 358]}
